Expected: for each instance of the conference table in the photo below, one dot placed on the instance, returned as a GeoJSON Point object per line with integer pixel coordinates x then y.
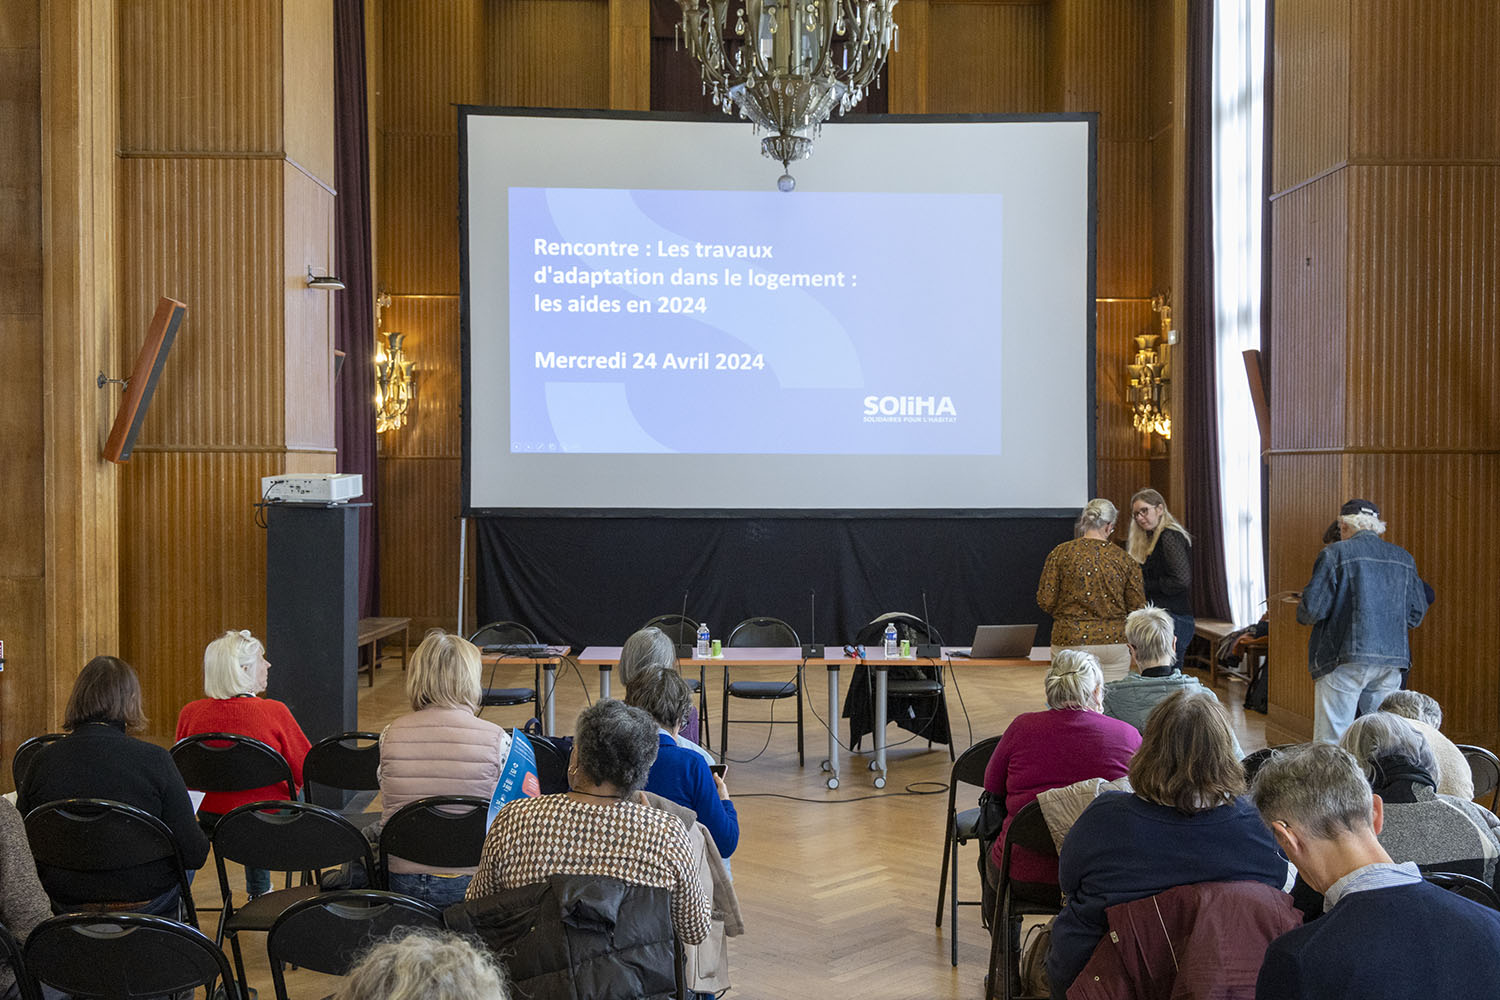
{"type": "Point", "coordinates": [833, 660]}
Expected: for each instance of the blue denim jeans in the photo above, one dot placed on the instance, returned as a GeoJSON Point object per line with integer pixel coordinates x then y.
{"type": "Point", "coordinates": [434, 889]}
{"type": "Point", "coordinates": [1349, 692]}
{"type": "Point", "coordinates": [1183, 627]}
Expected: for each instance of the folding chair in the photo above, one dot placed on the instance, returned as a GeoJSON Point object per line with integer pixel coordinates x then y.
{"type": "Point", "coordinates": [908, 685]}
{"type": "Point", "coordinates": [1467, 886]}
{"type": "Point", "coordinates": [229, 762]}
{"type": "Point", "coordinates": [441, 831]}
{"type": "Point", "coordinates": [278, 836]}
{"type": "Point", "coordinates": [26, 753]}
{"type": "Point", "coordinates": [99, 837]}
{"type": "Point", "coordinates": [968, 769]}
{"type": "Point", "coordinates": [345, 762]}
{"type": "Point", "coordinates": [763, 632]}
{"type": "Point", "coordinates": [121, 956]}
{"type": "Point", "coordinates": [25, 985]}
{"type": "Point", "coordinates": [1027, 830]}
{"type": "Point", "coordinates": [683, 631]}
{"type": "Point", "coordinates": [509, 634]}
{"type": "Point", "coordinates": [327, 932]}
{"type": "Point", "coordinates": [1485, 768]}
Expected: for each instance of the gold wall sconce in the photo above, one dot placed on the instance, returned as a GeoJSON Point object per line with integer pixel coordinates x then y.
{"type": "Point", "coordinates": [1150, 375]}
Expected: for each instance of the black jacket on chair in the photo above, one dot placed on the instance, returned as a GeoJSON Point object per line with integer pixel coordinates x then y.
{"type": "Point", "coordinates": [578, 937]}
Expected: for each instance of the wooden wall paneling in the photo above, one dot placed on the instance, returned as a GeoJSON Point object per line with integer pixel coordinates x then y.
{"type": "Point", "coordinates": [550, 53]}
{"type": "Point", "coordinates": [1424, 307]}
{"type": "Point", "coordinates": [1423, 87]}
{"type": "Point", "coordinates": [420, 500]}
{"type": "Point", "coordinates": [1309, 315]}
{"type": "Point", "coordinates": [205, 232]}
{"type": "Point", "coordinates": [196, 562]}
{"type": "Point", "coordinates": [307, 341]}
{"type": "Point", "coordinates": [307, 85]}
{"type": "Point", "coordinates": [431, 56]}
{"type": "Point", "coordinates": [1101, 51]}
{"type": "Point", "coordinates": [991, 58]}
{"type": "Point", "coordinates": [176, 99]}
{"type": "Point", "coordinates": [1123, 258]}
{"type": "Point", "coordinates": [418, 217]}
{"type": "Point", "coordinates": [431, 325]}
{"type": "Point", "coordinates": [78, 519]}
{"type": "Point", "coordinates": [910, 63]}
{"type": "Point", "coordinates": [629, 54]}
{"type": "Point", "coordinates": [1311, 98]}
{"type": "Point", "coordinates": [1124, 452]}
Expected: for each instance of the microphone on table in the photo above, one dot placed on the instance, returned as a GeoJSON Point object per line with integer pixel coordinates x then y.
{"type": "Point", "coordinates": [812, 650]}
{"type": "Point", "coordinates": [929, 649]}
{"type": "Point", "coordinates": [684, 648]}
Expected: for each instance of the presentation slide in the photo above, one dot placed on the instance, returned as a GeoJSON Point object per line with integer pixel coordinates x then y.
{"type": "Point", "coordinates": [651, 325]}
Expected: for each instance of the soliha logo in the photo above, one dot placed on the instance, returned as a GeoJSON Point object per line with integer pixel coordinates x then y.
{"type": "Point", "coordinates": [910, 408]}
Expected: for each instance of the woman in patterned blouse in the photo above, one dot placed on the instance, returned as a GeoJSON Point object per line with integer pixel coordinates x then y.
{"type": "Point", "coordinates": [1088, 586]}
{"type": "Point", "coordinates": [597, 827]}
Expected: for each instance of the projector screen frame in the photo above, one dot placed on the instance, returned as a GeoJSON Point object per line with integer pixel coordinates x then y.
{"type": "Point", "coordinates": [468, 510]}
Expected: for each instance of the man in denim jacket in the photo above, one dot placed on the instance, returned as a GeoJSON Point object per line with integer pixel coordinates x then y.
{"type": "Point", "coordinates": [1363, 597]}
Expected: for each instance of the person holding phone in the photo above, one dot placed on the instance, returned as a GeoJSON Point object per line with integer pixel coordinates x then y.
{"type": "Point", "coordinates": [680, 775]}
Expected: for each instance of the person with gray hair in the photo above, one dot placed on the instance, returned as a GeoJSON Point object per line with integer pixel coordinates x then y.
{"type": "Point", "coordinates": [1088, 586]}
{"type": "Point", "coordinates": [648, 651]}
{"type": "Point", "coordinates": [680, 775]}
{"type": "Point", "coordinates": [1151, 635]}
{"type": "Point", "coordinates": [425, 965]}
{"type": "Point", "coordinates": [1071, 741]}
{"type": "Point", "coordinates": [598, 827]}
{"type": "Point", "coordinates": [1363, 598]}
{"type": "Point", "coordinates": [1438, 832]}
{"type": "Point", "coordinates": [1424, 715]}
{"type": "Point", "coordinates": [1386, 934]}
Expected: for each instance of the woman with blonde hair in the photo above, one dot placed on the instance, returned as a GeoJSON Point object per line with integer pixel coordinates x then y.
{"type": "Point", "coordinates": [1088, 586]}
{"type": "Point", "coordinates": [235, 671]}
{"type": "Point", "coordinates": [1188, 820]}
{"type": "Point", "coordinates": [1162, 546]}
{"type": "Point", "coordinates": [440, 748]}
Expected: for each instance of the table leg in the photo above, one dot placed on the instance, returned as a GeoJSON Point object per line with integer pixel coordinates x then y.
{"type": "Point", "coordinates": [832, 765]}
{"type": "Point", "coordinates": [549, 685]}
{"type": "Point", "coordinates": [878, 764]}
{"type": "Point", "coordinates": [604, 671]}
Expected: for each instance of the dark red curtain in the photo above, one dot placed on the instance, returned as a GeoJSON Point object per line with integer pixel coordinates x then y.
{"type": "Point", "coordinates": [354, 314]}
{"type": "Point", "coordinates": [1203, 506]}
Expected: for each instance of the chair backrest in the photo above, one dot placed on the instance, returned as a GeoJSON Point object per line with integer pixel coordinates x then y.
{"type": "Point", "coordinates": [286, 837]}
{"type": "Point", "coordinates": [764, 632]}
{"type": "Point", "coordinates": [503, 634]}
{"type": "Point", "coordinates": [10, 950]}
{"type": "Point", "coordinates": [1466, 886]}
{"type": "Point", "coordinates": [552, 755]}
{"type": "Point", "coordinates": [26, 753]}
{"type": "Point", "coordinates": [229, 762]}
{"type": "Point", "coordinates": [1485, 768]}
{"type": "Point", "coordinates": [681, 629]}
{"type": "Point", "coordinates": [443, 831]}
{"type": "Point", "coordinates": [327, 932]}
{"type": "Point", "coordinates": [125, 955]}
{"type": "Point", "coordinates": [1028, 829]}
{"type": "Point", "coordinates": [970, 766]}
{"type": "Point", "coordinates": [102, 836]}
{"type": "Point", "coordinates": [908, 626]}
{"type": "Point", "coordinates": [348, 761]}
{"type": "Point", "coordinates": [1253, 762]}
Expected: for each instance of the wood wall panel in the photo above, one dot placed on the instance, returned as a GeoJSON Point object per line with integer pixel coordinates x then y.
{"type": "Point", "coordinates": [1100, 52]}
{"type": "Point", "coordinates": [307, 47]}
{"type": "Point", "coordinates": [22, 546]}
{"type": "Point", "coordinates": [629, 54]}
{"type": "Point", "coordinates": [418, 215]}
{"type": "Point", "coordinates": [1309, 265]}
{"type": "Point", "coordinates": [431, 56]}
{"type": "Point", "coordinates": [176, 98]}
{"type": "Point", "coordinates": [1424, 307]}
{"type": "Point", "coordinates": [206, 232]}
{"type": "Point", "coordinates": [308, 233]}
{"type": "Point", "coordinates": [991, 58]}
{"type": "Point", "coordinates": [20, 166]}
{"type": "Point", "coordinates": [910, 65]}
{"type": "Point", "coordinates": [1311, 113]}
{"type": "Point", "coordinates": [1123, 240]}
{"type": "Point", "coordinates": [1117, 324]}
{"type": "Point", "coordinates": [198, 563]}
{"type": "Point", "coordinates": [431, 325]}
{"type": "Point", "coordinates": [420, 500]}
{"type": "Point", "coordinates": [549, 53]}
{"type": "Point", "coordinates": [1423, 89]}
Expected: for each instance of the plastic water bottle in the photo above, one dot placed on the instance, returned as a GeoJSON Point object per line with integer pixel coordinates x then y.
{"type": "Point", "coordinates": [702, 651]}
{"type": "Point", "coordinates": [892, 648]}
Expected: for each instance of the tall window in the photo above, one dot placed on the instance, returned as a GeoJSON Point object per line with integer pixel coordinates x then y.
{"type": "Point", "coordinates": [1238, 144]}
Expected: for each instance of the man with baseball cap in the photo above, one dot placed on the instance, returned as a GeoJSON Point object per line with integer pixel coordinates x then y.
{"type": "Point", "coordinates": [1364, 596]}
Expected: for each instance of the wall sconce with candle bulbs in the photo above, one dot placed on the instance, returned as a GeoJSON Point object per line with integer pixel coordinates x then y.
{"type": "Point", "coordinates": [395, 375]}
{"type": "Point", "coordinates": [1150, 375]}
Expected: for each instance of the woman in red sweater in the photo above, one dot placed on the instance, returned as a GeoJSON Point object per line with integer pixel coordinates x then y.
{"type": "Point", "coordinates": [234, 672]}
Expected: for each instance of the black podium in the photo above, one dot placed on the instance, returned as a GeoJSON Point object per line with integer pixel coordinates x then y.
{"type": "Point", "coordinates": [312, 613]}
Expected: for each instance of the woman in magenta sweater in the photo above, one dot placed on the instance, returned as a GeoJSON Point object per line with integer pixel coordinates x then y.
{"type": "Point", "coordinates": [234, 672]}
{"type": "Point", "coordinates": [1072, 741]}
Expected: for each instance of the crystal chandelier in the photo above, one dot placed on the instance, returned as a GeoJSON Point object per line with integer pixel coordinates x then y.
{"type": "Point", "coordinates": [395, 383]}
{"type": "Point", "coordinates": [788, 65]}
{"type": "Point", "coordinates": [1150, 377]}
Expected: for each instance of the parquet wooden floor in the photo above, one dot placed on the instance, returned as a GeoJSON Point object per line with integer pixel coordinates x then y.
{"type": "Point", "coordinates": [838, 888]}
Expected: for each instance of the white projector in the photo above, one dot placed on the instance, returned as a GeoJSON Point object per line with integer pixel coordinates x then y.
{"type": "Point", "coordinates": [312, 487]}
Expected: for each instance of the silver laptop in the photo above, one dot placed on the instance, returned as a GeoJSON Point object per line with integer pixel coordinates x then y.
{"type": "Point", "coordinates": [1001, 642]}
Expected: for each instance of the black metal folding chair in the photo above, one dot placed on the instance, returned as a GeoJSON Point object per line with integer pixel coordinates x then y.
{"type": "Point", "coordinates": [344, 762]}
{"type": "Point", "coordinates": [763, 632]}
{"type": "Point", "coordinates": [26, 753]}
{"type": "Point", "coordinates": [441, 831]}
{"type": "Point", "coordinates": [1485, 768]}
{"type": "Point", "coordinates": [968, 770]}
{"type": "Point", "coordinates": [1466, 886]}
{"type": "Point", "coordinates": [120, 956]}
{"type": "Point", "coordinates": [509, 634]}
{"type": "Point", "coordinates": [327, 932]}
{"type": "Point", "coordinates": [25, 985]}
{"type": "Point", "coordinates": [683, 631]}
{"type": "Point", "coordinates": [1028, 829]}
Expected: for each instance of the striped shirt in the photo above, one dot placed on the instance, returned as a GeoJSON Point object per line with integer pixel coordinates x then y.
{"type": "Point", "coordinates": [1379, 875]}
{"type": "Point", "coordinates": [558, 835]}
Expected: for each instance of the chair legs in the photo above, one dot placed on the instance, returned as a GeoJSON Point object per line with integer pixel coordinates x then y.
{"type": "Point", "coordinates": [724, 720]}
{"type": "Point", "coordinates": [801, 758]}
